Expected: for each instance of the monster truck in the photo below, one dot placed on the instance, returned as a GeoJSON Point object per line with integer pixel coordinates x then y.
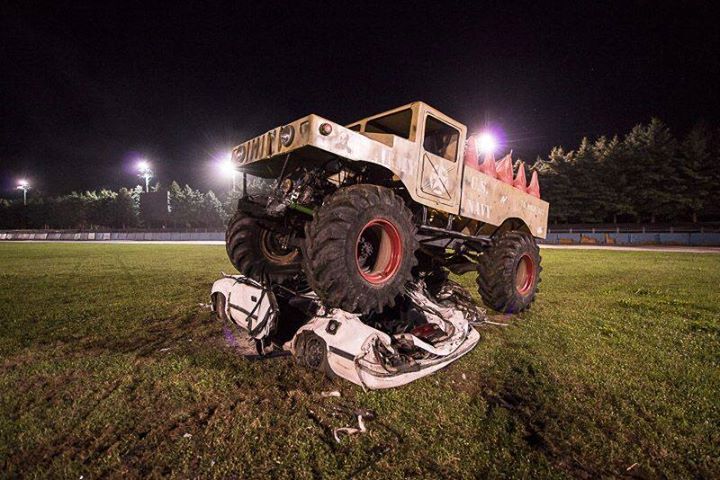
{"type": "Point", "coordinates": [355, 212]}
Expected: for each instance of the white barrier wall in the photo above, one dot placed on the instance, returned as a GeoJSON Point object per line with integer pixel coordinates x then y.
{"type": "Point", "coordinates": [575, 238]}
{"type": "Point", "coordinates": [105, 236]}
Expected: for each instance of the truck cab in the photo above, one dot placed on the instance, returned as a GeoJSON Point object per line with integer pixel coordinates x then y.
{"type": "Point", "coordinates": [438, 145]}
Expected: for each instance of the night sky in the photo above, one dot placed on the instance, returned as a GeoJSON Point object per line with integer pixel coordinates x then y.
{"type": "Point", "coordinates": [85, 91]}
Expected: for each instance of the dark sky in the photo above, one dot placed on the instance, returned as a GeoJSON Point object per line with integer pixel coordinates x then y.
{"type": "Point", "coordinates": [86, 89]}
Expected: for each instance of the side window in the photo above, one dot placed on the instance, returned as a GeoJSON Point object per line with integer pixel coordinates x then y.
{"type": "Point", "coordinates": [441, 139]}
{"type": "Point", "coordinates": [397, 123]}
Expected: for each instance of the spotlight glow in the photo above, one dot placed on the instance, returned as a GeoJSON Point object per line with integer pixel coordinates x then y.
{"type": "Point", "coordinates": [143, 166]}
{"type": "Point", "coordinates": [23, 183]}
{"type": "Point", "coordinates": [486, 143]}
{"type": "Point", "coordinates": [226, 167]}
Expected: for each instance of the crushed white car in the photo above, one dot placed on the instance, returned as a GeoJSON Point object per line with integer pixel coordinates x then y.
{"type": "Point", "coordinates": [423, 333]}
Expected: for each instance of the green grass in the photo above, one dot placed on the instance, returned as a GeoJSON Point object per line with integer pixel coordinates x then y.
{"type": "Point", "coordinates": [108, 361]}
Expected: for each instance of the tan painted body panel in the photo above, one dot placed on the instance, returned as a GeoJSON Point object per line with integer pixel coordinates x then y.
{"type": "Point", "coordinates": [492, 201]}
{"type": "Point", "coordinates": [397, 154]}
{"type": "Point", "coordinates": [430, 180]}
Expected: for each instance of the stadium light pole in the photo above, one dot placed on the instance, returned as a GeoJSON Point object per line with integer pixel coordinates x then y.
{"type": "Point", "coordinates": [24, 185]}
{"type": "Point", "coordinates": [145, 172]}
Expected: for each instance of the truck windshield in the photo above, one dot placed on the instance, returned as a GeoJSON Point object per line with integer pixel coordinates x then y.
{"type": "Point", "coordinates": [255, 185]}
{"type": "Point", "coordinates": [397, 123]}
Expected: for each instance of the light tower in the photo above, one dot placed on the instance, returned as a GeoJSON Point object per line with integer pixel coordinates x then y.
{"type": "Point", "coordinates": [24, 185]}
{"type": "Point", "coordinates": [145, 172]}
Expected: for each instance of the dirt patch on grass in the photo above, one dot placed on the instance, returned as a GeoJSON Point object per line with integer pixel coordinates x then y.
{"type": "Point", "coordinates": [532, 401]}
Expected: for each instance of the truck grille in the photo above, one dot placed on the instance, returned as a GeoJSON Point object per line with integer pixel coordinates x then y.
{"type": "Point", "coordinates": [265, 145]}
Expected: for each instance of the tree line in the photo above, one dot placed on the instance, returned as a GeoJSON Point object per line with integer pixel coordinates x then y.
{"type": "Point", "coordinates": [647, 175]}
{"type": "Point", "coordinates": [188, 208]}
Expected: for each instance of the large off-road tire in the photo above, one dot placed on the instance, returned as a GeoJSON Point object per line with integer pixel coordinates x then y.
{"type": "Point", "coordinates": [360, 249]}
{"type": "Point", "coordinates": [255, 251]}
{"type": "Point", "coordinates": [509, 272]}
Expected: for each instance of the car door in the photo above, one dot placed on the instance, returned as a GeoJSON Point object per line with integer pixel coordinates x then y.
{"type": "Point", "coordinates": [440, 170]}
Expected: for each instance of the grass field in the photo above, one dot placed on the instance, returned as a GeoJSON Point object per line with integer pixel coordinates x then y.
{"type": "Point", "coordinates": [109, 366]}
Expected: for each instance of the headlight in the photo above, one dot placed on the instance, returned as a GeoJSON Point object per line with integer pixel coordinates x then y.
{"type": "Point", "coordinates": [286, 186]}
{"type": "Point", "coordinates": [325, 129]}
{"type": "Point", "coordinates": [287, 133]}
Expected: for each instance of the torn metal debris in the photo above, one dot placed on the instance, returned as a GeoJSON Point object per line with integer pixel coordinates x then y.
{"type": "Point", "coordinates": [350, 430]}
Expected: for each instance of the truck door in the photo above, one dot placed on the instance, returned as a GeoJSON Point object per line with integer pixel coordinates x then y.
{"type": "Point", "coordinates": [440, 169]}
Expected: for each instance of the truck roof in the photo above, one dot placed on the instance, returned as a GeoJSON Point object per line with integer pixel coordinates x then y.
{"type": "Point", "coordinates": [411, 105]}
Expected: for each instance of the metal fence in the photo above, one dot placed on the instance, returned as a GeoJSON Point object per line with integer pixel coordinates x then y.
{"type": "Point", "coordinates": [706, 227]}
{"type": "Point", "coordinates": [637, 238]}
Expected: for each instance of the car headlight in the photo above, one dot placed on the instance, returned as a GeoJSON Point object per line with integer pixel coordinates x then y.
{"type": "Point", "coordinates": [287, 133]}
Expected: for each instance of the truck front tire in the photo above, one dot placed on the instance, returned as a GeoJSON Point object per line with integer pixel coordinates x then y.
{"type": "Point", "coordinates": [509, 272]}
{"type": "Point", "coordinates": [256, 252]}
{"type": "Point", "coordinates": [360, 249]}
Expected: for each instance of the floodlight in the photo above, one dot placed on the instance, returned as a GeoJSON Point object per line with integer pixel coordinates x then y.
{"type": "Point", "coordinates": [24, 185]}
{"type": "Point", "coordinates": [486, 143]}
{"type": "Point", "coordinates": [227, 168]}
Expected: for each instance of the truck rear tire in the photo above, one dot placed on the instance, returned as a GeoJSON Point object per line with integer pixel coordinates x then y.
{"type": "Point", "coordinates": [509, 272]}
{"type": "Point", "coordinates": [255, 251]}
{"type": "Point", "coordinates": [360, 249]}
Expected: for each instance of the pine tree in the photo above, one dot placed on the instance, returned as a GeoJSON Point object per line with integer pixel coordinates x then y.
{"type": "Point", "coordinates": [124, 211]}
{"type": "Point", "coordinates": [652, 166]}
{"type": "Point", "coordinates": [556, 183]}
{"type": "Point", "coordinates": [613, 187]}
{"type": "Point", "coordinates": [176, 197]}
{"type": "Point", "coordinates": [586, 187]}
{"type": "Point", "coordinates": [696, 171]}
{"type": "Point", "coordinates": [213, 214]}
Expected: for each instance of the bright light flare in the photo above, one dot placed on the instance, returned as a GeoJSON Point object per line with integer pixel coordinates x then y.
{"type": "Point", "coordinates": [225, 164]}
{"type": "Point", "coordinates": [227, 168]}
{"type": "Point", "coordinates": [23, 184]}
{"type": "Point", "coordinates": [143, 166]}
{"type": "Point", "coordinates": [486, 143]}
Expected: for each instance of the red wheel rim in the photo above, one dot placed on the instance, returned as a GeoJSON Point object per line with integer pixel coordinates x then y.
{"type": "Point", "coordinates": [378, 251]}
{"type": "Point", "coordinates": [524, 274]}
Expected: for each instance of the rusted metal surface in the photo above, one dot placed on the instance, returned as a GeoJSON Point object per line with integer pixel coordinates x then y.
{"type": "Point", "coordinates": [438, 182]}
